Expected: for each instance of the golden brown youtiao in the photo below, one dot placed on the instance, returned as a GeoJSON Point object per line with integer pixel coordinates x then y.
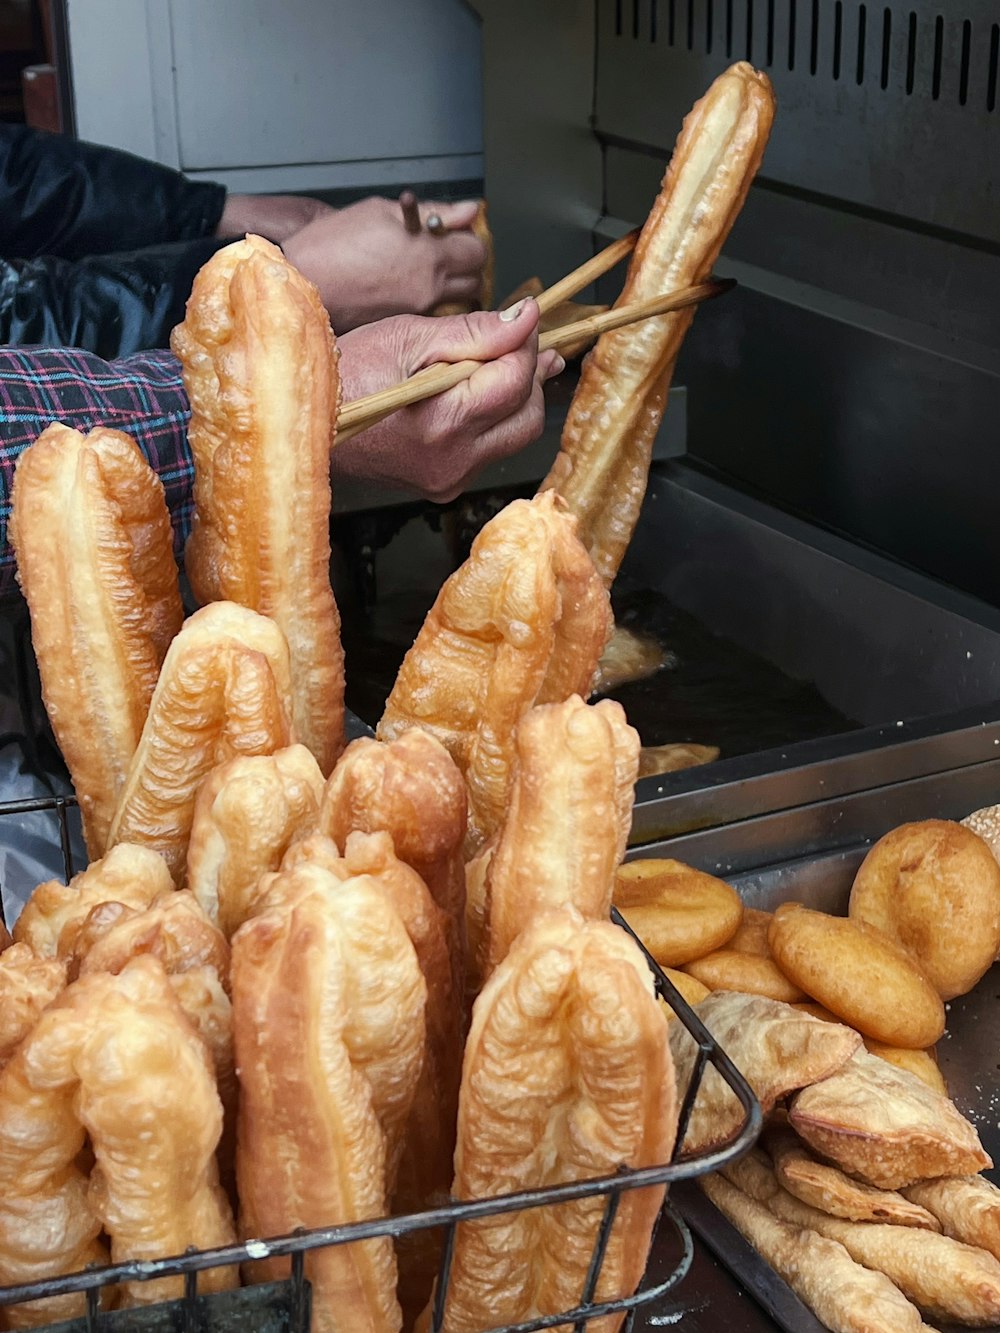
{"type": "Point", "coordinates": [829, 1189]}
{"type": "Point", "coordinates": [865, 978]}
{"type": "Point", "coordinates": [934, 888]}
{"type": "Point", "coordinates": [260, 369]}
{"type": "Point", "coordinates": [568, 818]}
{"type": "Point", "coordinates": [113, 1058]}
{"type": "Point", "coordinates": [173, 929]}
{"type": "Point", "coordinates": [602, 467]}
{"type": "Point", "coordinates": [245, 816]}
{"type": "Point", "coordinates": [885, 1125]}
{"type": "Point", "coordinates": [967, 1207]}
{"type": "Point", "coordinates": [52, 916]}
{"type": "Point", "coordinates": [328, 1006]}
{"type": "Point", "coordinates": [28, 984]}
{"type": "Point", "coordinates": [842, 1294]}
{"type": "Point", "coordinates": [91, 532]}
{"type": "Point", "coordinates": [567, 1075]}
{"type": "Point", "coordinates": [411, 789]}
{"type": "Point", "coordinates": [522, 622]}
{"type": "Point", "coordinates": [947, 1279]}
{"type": "Point", "coordinates": [776, 1048]}
{"type": "Point", "coordinates": [224, 691]}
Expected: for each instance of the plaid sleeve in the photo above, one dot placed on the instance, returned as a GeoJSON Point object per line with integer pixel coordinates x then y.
{"type": "Point", "coordinates": [142, 395]}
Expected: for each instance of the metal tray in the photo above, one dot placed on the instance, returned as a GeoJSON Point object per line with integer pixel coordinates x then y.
{"type": "Point", "coordinates": [811, 855]}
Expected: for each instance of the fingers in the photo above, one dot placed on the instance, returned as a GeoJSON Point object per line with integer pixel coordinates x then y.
{"type": "Point", "coordinates": [459, 253]}
{"type": "Point", "coordinates": [482, 336]}
{"type": "Point", "coordinates": [454, 216]}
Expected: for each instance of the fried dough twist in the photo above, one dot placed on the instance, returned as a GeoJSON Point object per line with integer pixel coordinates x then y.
{"type": "Point", "coordinates": [245, 816]}
{"type": "Point", "coordinates": [91, 532]}
{"type": "Point", "coordinates": [567, 1075]}
{"type": "Point", "coordinates": [328, 1013]}
{"type": "Point", "coordinates": [114, 1058]}
{"type": "Point", "coordinates": [523, 621]}
{"type": "Point", "coordinates": [224, 691]}
{"type": "Point", "coordinates": [55, 912]}
{"type": "Point", "coordinates": [567, 822]}
{"type": "Point", "coordinates": [411, 789]}
{"type": "Point", "coordinates": [260, 368]}
{"type": "Point", "coordinates": [603, 464]}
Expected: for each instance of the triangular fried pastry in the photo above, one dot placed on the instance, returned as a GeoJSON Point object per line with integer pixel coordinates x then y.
{"type": "Point", "coordinates": [968, 1208]}
{"type": "Point", "coordinates": [775, 1047]}
{"type": "Point", "coordinates": [523, 621]}
{"type": "Point", "coordinates": [567, 1076]}
{"type": "Point", "coordinates": [947, 1279]}
{"type": "Point", "coordinates": [827, 1187]}
{"type": "Point", "coordinates": [260, 369]}
{"type": "Point", "coordinates": [328, 1004]}
{"type": "Point", "coordinates": [224, 691]}
{"type": "Point", "coordinates": [567, 821]}
{"type": "Point", "coordinates": [91, 531]}
{"type": "Point", "coordinates": [245, 816]}
{"type": "Point", "coordinates": [843, 1295]}
{"type": "Point", "coordinates": [886, 1126]}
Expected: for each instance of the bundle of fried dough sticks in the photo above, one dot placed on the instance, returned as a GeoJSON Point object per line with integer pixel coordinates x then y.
{"type": "Point", "coordinates": [866, 1197]}
{"type": "Point", "coordinates": [251, 1012]}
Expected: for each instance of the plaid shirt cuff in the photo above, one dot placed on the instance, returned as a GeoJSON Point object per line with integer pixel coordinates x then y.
{"type": "Point", "coordinates": [142, 395]}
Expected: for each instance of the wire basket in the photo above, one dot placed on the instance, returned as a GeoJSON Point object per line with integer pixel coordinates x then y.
{"type": "Point", "coordinates": [284, 1307]}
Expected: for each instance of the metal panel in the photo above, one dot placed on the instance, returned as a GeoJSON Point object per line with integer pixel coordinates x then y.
{"type": "Point", "coordinates": [892, 107]}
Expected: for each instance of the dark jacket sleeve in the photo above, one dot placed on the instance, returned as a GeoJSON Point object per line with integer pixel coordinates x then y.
{"type": "Point", "coordinates": [69, 199]}
{"type": "Point", "coordinates": [112, 305]}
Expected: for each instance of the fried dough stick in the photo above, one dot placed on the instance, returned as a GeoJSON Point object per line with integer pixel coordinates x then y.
{"type": "Point", "coordinates": [603, 464]}
{"type": "Point", "coordinates": [91, 532]}
{"type": "Point", "coordinates": [260, 368]}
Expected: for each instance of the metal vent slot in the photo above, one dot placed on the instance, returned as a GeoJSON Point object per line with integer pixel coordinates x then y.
{"type": "Point", "coordinates": [946, 59]}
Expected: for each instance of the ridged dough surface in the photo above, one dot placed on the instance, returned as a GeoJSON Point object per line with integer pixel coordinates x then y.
{"type": "Point", "coordinates": [28, 984]}
{"type": "Point", "coordinates": [607, 440]}
{"type": "Point", "coordinates": [260, 369]}
{"type": "Point", "coordinates": [568, 819]}
{"type": "Point", "coordinates": [115, 1059]}
{"type": "Point", "coordinates": [245, 816]}
{"type": "Point", "coordinates": [224, 691]}
{"type": "Point", "coordinates": [523, 621]}
{"type": "Point", "coordinates": [567, 1075]}
{"type": "Point", "coordinates": [968, 1208]}
{"type": "Point", "coordinates": [328, 1006]}
{"type": "Point", "coordinates": [52, 916]}
{"type": "Point", "coordinates": [91, 532]}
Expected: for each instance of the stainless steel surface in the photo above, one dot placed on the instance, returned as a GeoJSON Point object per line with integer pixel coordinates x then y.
{"type": "Point", "coordinates": [811, 855]}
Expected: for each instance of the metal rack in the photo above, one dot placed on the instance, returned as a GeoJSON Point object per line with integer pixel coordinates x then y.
{"type": "Point", "coordinates": [284, 1307]}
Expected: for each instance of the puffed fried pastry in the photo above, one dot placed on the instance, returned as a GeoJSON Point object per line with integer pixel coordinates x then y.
{"type": "Point", "coordinates": [115, 1059]}
{"type": "Point", "coordinates": [774, 1046]}
{"type": "Point", "coordinates": [411, 789]}
{"type": "Point", "coordinates": [568, 819]}
{"type": "Point", "coordinates": [843, 1295]}
{"type": "Point", "coordinates": [260, 369]}
{"type": "Point", "coordinates": [947, 1279]}
{"type": "Point", "coordinates": [567, 1076]}
{"type": "Point", "coordinates": [832, 1191]}
{"type": "Point", "coordinates": [28, 984]}
{"type": "Point", "coordinates": [885, 1125]}
{"type": "Point", "coordinates": [130, 875]}
{"type": "Point", "coordinates": [224, 691]}
{"type": "Point", "coordinates": [245, 816]}
{"type": "Point", "coordinates": [603, 464]}
{"type": "Point", "coordinates": [522, 622]}
{"type": "Point", "coordinates": [967, 1207]}
{"type": "Point", "coordinates": [328, 1005]}
{"type": "Point", "coordinates": [91, 532]}
{"type": "Point", "coordinates": [174, 929]}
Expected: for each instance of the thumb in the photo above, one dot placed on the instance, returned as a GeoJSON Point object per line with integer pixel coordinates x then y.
{"type": "Point", "coordinates": [482, 335]}
{"type": "Point", "coordinates": [454, 216]}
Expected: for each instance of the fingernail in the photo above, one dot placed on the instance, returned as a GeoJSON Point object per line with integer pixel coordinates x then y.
{"type": "Point", "coordinates": [512, 312]}
{"type": "Point", "coordinates": [556, 367]}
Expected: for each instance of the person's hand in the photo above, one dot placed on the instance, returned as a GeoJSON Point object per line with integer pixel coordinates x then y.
{"type": "Point", "coordinates": [436, 447]}
{"type": "Point", "coordinates": [276, 217]}
{"type": "Point", "coordinates": [367, 266]}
